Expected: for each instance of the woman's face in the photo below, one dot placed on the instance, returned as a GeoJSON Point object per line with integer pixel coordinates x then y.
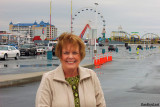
{"type": "Point", "coordinates": [70, 57]}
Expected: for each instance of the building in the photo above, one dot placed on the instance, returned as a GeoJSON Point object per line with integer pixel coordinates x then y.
{"type": "Point", "coordinates": [27, 31]}
{"type": "Point", "coordinates": [7, 38]}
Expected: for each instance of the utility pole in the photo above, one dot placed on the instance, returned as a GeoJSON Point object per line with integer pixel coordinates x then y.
{"type": "Point", "coordinates": [18, 34]}
{"type": "Point", "coordinates": [50, 19]}
{"type": "Point", "coordinates": [71, 16]}
{"type": "Point", "coordinates": [96, 24]}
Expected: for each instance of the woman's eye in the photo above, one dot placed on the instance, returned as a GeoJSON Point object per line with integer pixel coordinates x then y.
{"type": "Point", "coordinates": [66, 53]}
{"type": "Point", "coordinates": [75, 53]}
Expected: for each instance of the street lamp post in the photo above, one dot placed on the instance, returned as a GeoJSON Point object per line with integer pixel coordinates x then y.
{"type": "Point", "coordinates": [28, 38]}
{"type": "Point", "coordinates": [96, 25]}
{"type": "Point", "coordinates": [18, 34]}
{"type": "Point", "coordinates": [71, 16]}
{"type": "Point", "coordinates": [144, 39]}
{"type": "Point", "coordinates": [50, 19]}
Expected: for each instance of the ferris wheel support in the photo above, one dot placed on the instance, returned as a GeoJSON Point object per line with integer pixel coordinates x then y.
{"type": "Point", "coordinates": [84, 30]}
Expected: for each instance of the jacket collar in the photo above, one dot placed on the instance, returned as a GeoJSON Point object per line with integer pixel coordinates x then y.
{"type": "Point", "coordinates": [59, 74]}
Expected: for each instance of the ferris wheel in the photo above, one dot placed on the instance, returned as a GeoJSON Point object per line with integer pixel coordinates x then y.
{"type": "Point", "coordinates": [87, 15]}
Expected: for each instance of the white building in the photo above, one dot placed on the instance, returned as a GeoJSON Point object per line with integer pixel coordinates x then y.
{"type": "Point", "coordinates": [31, 30]}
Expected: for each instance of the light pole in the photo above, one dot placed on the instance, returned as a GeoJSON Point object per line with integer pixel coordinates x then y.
{"type": "Point", "coordinates": [71, 16]}
{"type": "Point", "coordinates": [144, 38]}
{"type": "Point", "coordinates": [50, 18]}
{"type": "Point", "coordinates": [96, 25]}
{"type": "Point", "coordinates": [9, 39]}
{"type": "Point", "coordinates": [18, 34]}
{"type": "Point", "coordinates": [28, 38]}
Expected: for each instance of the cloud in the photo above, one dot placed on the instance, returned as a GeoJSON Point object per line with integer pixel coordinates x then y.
{"type": "Point", "coordinates": [132, 15]}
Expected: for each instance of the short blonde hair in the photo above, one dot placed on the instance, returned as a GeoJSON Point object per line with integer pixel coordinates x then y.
{"type": "Point", "coordinates": [69, 38]}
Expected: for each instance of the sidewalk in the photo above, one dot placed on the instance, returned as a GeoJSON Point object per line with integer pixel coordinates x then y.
{"type": "Point", "coordinates": [18, 79]}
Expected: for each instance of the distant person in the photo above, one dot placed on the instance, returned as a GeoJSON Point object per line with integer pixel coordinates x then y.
{"type": "Point", "coordinates": [53, 49]}
{"type": "Point", "coordinates": [70, 85]}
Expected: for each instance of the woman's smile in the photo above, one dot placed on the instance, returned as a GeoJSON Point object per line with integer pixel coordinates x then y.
{"type": "Point", "coordinates": [70, 62]}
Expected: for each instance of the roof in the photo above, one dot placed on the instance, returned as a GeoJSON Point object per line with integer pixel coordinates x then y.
{"type": "Point", "coordinates": [37, 38]}
{"type": "Point", "coordinates": [35, 23]}
{"type": "Point", "coordinates": [23, 24]}
{"type": "Point", "coordinates": [41, 24]}
{"type": "Point", "coordinates": [10, 23]}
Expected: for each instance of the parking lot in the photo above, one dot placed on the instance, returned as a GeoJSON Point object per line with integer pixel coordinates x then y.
{"type": "Point", "coordinates": [36, 63]}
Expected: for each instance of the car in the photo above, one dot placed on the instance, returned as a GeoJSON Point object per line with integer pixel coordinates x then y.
{"type": "Point", "coordinates": [101, 44]}
{"type": "Point", "coordinates": [28, 49]}
{"type": "Point", "coordinates": [140, 47]}
{"type": "Point", "coordinates": [111, 48]}
{"type": "Point", "coordinates": [7, 51]}
{"type": "Point", "coordinates": [41, 49]}
{"type": "Point", "coordinates": [87, 44]}
{"type": "Point", "coordinates": [128, 47]}
{"type": "Point", "coordinates": [151, 46]}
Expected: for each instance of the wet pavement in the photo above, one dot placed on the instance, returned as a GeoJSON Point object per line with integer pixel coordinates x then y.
{"type": "Point", "coordinates": [28, 64]}
{"type": "Point", "coordinates": [130, 80]}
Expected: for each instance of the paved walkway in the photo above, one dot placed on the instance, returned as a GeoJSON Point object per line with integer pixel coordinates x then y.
{"type": "Point", "coordinates": [17, 79]}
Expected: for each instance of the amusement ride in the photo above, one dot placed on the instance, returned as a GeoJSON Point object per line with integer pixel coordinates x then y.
{"type": "Point", "coordinates": [80, 24]}
{"type": "Point", "coordinates": [133, 37]}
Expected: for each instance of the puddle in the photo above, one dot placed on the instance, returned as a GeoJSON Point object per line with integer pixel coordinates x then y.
{"type": "Point", "coordinates": [39, 65]}
{"type": "Point", "coordinates": [23, 66]}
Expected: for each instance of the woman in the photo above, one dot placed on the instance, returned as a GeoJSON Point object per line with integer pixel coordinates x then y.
{"type": "Point", "coordinates": [70, 85]}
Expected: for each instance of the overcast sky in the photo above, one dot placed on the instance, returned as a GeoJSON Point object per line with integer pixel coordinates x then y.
{"type": "Point", "coordinates": [141, 16]}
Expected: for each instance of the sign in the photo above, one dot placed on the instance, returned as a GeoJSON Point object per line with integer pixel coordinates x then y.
{"type": "Point", "coordinates": [94, 33]}
{"type": "Point", "coordinates": [43, 37]}
{"type": "Point", "coordinates": [42, 30]}
{"type": "Point", "coordinates": [4, 37]}
{"type": "Point", "coordinates": [92, 42]}
{"type": "Point", "coordinates": [134, 32]}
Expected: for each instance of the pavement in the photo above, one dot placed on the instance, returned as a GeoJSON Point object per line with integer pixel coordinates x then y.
{"type": "Point", "coordinates": [130, 80]}
{"type": "Point", "coordinates": [23, 78]}
{"type": "Point", "coordinates": [19, 79]}
{"type": "Point", "coordinates": [30, 69]}
{"type": "Point", "coordinates": [28, 77]}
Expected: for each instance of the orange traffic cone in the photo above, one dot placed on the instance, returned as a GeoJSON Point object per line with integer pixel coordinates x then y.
{"type": "Point", "coordinates": [111, 56]}
{"type": "Point", "coordinates": [98, 60]}
{"type": "Point", "coordinates": [95, 61]}
{"type": "Point", "coordinates": [105, 60]}
{"type": "Point", "coordinates": [106, 57]}
{"type": "Point", "coordinates": [101, 60]}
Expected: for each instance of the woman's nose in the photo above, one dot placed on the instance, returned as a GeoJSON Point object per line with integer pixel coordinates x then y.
{"type": "Point", "coordinates": [70, 55]}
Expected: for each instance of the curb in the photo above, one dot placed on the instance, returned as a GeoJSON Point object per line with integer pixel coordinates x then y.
{"type": "Point", "coordinates": [19, 79]}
